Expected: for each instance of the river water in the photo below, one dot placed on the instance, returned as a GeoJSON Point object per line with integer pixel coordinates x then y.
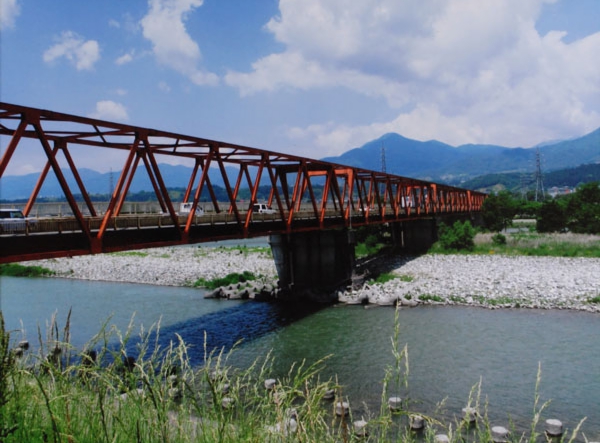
{"type": "Point", "coordinates": [450, 349]}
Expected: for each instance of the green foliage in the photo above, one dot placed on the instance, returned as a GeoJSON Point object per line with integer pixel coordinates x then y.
{"type": "Point", "coordinates": [458, 237]}
{"type": "Point", "coordinates": [584, 209]}
{"type": "Point", "coordinates": [499, 239]}
{"type": "Point", "coordinates": [17, 270]}
{"type": "Point", "coordinates": [539, 245]}
{"type": "Point", "coordinates": [498, 211]}
{"type": "Point", "coordinates": [7, 370]}
{"type": "Point", "coordinates": [131, 254]}
{"type": "Point", "coordinates": [388, 276]}
{"type": "Point", "coordinates": [229, 279]}
{"type": "Point", "coordinates": [527, 209]}
{"type": "Point", "coordinates": [552, 217]}
{"type": "Point", "coordinates": [430, 297]}
{"type": "Point", "coordinates": [369, 240]}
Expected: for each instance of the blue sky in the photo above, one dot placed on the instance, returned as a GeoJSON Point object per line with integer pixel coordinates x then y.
{"type": "Point", "coordinates": [310, 77]}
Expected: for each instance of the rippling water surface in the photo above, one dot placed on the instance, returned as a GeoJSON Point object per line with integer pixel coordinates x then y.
{"type": "Point", "coordinates": [450, 349]}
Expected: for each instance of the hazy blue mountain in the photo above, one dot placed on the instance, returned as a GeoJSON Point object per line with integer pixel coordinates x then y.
{"type": "Point", "coordinates": [432, 160]}
{"type": "Point", "coordinates": [439, 161]}
{"type": "Point", "coordinates": [175, 176]}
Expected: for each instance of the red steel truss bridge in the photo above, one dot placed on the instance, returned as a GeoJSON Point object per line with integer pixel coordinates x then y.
{"type": "Point", "coordinates": [305, 194]}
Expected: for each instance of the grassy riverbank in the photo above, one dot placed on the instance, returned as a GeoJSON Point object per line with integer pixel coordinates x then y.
{"type": "Point", "coordinates": [102, 394]}
{"type": "Point", "coordinates": [533, 244]}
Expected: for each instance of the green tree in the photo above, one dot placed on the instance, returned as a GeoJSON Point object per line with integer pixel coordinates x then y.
{"type": "Point", "coordinates": [584, 209]}
{"type": "Point", "coordinates": [457, 237]}
{"type": "Point", "coordinates": [498, 211]}
{"type": "Point", "coordinates": [552, 217]}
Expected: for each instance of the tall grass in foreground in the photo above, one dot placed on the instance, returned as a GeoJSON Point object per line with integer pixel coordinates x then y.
{"type": "Point", "coordinates": [101, 394]}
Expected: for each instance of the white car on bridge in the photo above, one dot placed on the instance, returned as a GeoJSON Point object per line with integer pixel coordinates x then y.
{"type": "Point", "coordinates": [12, 220]}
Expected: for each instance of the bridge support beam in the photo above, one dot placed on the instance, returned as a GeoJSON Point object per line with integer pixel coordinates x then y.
{"type": "Point", "coordinates": [311, 265]}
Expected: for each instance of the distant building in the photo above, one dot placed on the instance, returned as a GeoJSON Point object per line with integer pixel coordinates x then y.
{"type": "Point", "coordinates": [563, 190]}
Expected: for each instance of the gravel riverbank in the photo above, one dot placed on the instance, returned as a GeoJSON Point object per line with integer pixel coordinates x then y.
{"type": "Point", "coordinates": [492, 281]}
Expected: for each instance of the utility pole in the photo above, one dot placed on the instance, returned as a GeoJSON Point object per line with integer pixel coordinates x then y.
{"type": "Point", "coordinates": [539, 180]}
{"type": "Point", "coordinates": [383, 167]}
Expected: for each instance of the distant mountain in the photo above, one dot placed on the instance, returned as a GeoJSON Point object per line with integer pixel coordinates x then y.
{"type": "Point", "coordinates": [441, 162]}
{"type": "Point", "coordinates": [430, 160]}
{"type": "Point", "coordinates": [15, 187]}
{"type": "Point", "coordinates": [514, 181]}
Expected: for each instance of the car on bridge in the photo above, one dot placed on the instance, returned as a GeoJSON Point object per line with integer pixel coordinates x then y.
{"type": "Point", "coordinates": [262, 208]}
{"type": "Point", "coordinates": [12, 220]}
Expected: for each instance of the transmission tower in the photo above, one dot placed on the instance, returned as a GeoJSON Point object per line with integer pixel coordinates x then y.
{"type": "Point", "coordinates": [383, 169]}
{"type": "Point", "coordinates": [539, 179]}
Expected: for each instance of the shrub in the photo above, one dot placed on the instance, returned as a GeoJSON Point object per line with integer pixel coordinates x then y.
{"type": "Point", "coordinates": [499, 239]}
{"type": "Point", "coordinates": [551, 217]}
{"type": "Point", "coordinates": [457, 237]}
{"type": "Point", "coordinates": [17, 270]}
{"type": "Point", "coordinates": [498, 211]}
{"type": "Point", "coordinates": [229, 279]}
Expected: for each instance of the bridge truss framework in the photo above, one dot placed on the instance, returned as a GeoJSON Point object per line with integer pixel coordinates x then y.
{"type": "Point", "coordinates": [348, 196]}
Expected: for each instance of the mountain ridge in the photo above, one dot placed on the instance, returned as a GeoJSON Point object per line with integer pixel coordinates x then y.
{"type": "Point", "coordinates": [427, 160]}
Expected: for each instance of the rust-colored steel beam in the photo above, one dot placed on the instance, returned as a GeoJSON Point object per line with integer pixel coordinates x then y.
{"type": "Point", "coordinates": [306, 194]}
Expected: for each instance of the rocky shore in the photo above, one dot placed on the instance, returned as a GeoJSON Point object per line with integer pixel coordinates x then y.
{"type": "Point", "coordinates": [492, 281]}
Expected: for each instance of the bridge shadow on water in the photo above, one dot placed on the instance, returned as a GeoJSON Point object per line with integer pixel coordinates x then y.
{"type": "Point", "coordinates": [221, 330]}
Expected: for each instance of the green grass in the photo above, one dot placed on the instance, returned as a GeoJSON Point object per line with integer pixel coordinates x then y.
{"type": "Point", "coordinates": [17, 270]}
{"type": "Point", "coordinates": [366, 250]}
{"type": "Point", "coordinates": [67, 396]}
{"type": "Point", "coordinates": [534, 244]}
{"type": "Point", "coordinates": [131, 254]}
{"type": "Point", "coordinates": [229, 279]}
{"type": "Point", "coordinates": [388, 276]}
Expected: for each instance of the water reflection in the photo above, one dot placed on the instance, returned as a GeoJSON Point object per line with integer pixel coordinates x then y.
{"type": "Point", "coordinates": [225, 328]}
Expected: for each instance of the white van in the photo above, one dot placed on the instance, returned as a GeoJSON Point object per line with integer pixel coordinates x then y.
{"type": "Point", "coordinates": [186, 208]}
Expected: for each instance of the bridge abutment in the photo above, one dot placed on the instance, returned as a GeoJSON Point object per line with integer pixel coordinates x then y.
{"type": "Point", "coordinates": [313, 264]}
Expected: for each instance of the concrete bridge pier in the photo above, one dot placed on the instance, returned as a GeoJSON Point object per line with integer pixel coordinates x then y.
{"type": "Point", "coordinates": [414, 236]}
{"type": "Point", "coordinates": [311, 265]}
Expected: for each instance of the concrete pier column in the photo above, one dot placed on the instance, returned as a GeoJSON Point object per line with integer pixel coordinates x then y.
{"type": "Point", "coordinates": [414, 235]}
{"type": "Point", "coordinates": [314, 262]}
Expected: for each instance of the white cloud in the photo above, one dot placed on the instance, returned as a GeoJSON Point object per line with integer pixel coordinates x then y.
{"type": "Point", "coordinates": [9, 11]}
{"type": "Point", "coordinates": [124, 59]}
{"type": "Point", "coordinates": [172, 45]}
{"type": "Point", "coordinates": [83, 54]}
{"type": "Point", "coordinates": [164, 86]}
{"type": "Point", "coordinates": [461, 71]}
{"type": "Point", "coordinates": [110, 110]}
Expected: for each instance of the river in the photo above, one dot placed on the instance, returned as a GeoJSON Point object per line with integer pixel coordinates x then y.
{"type": "Point", "coordinates": [449, 348]}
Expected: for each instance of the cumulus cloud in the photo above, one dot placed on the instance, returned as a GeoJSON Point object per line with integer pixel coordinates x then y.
{"type": "Point", "coordinates": [110, 110]}
{"type": "Point", "coordinates": [462, 71]}
{"type": "Point", "coordinates": [9, 11]}
{"type": "Point", "coordinates": [164, 26]}
{"type": "Point", "coordinates": [81, 53]}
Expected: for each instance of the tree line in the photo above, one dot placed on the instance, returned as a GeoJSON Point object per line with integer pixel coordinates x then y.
{"type": "Point", "coordinates": [578, 212]}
